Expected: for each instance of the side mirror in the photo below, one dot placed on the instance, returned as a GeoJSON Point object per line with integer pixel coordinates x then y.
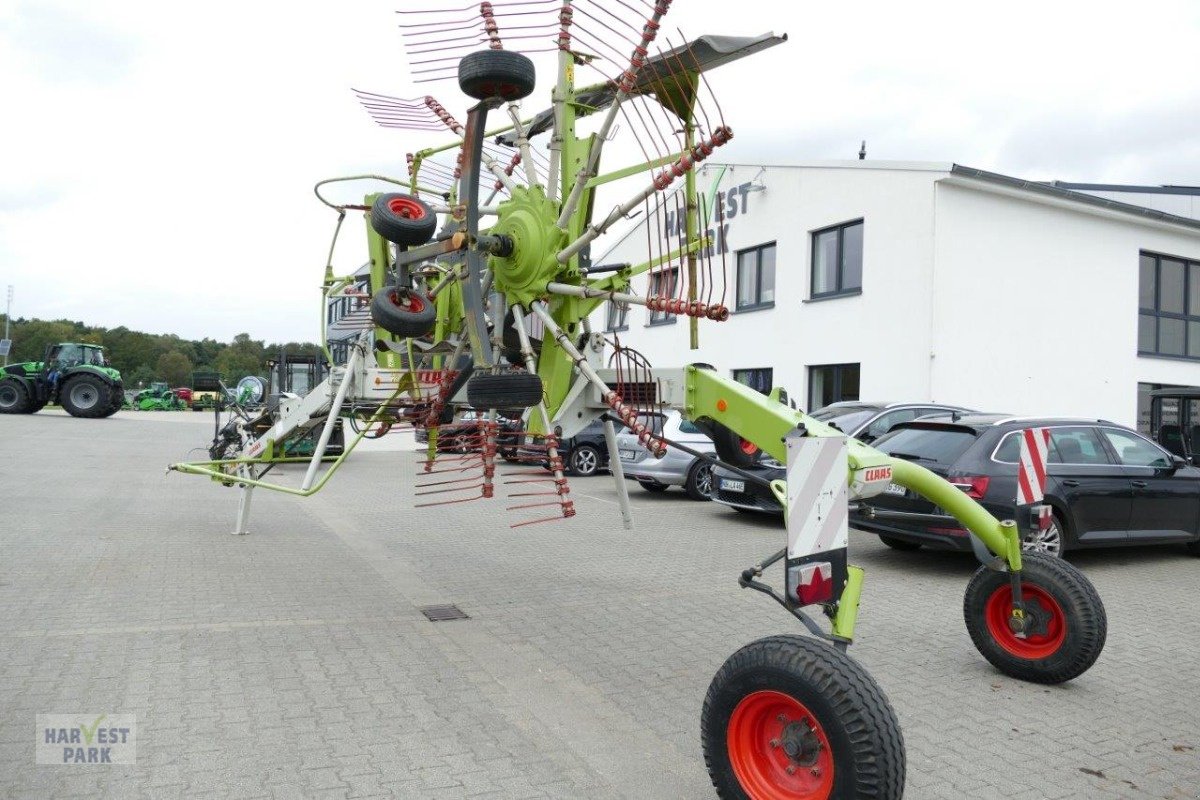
{"type": "Point", "coordinates": [1178, 461]}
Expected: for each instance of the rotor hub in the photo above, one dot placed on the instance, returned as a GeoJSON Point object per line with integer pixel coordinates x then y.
{"type": "Point", "coordinates": [527, 220]}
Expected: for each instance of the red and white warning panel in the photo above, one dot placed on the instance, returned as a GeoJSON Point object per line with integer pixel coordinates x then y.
{"type": "Point", "coordinates": [1031, 468]}
{"type": "Point", "coordinates": [816, 494]}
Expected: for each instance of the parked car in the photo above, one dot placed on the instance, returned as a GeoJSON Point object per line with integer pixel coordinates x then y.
{"type": "Point", "coordinates": [1107, 484]}
{"type": "Point", "coordinates": [862, 420]}
{"type": "Point", "coordinates": [675, 468]}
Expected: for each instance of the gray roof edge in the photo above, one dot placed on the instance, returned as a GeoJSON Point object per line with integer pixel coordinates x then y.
{"type": "Point", "coordinates": [1119, 187]}
{"type": "Point", "coordinates": [1051, 190]}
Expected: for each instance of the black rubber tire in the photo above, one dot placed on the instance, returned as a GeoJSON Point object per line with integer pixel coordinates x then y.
{"type": "Point", "coordinates": [504, 390]}
{"type": "Point", "coordinates": [902, 545]}
{"type": "Point", "coordinates": [728, 444]}
{"type": "Point", "coordinates": [844, 700]}
{"type": "Point", "coordinates": [485, 74]}
{"type": "Point", "coordinates": [86, 396]}
{"type": "Point", "coordinates": [403, 219]}
{"type": "Point", "coordinates": [1083, 619]}
{"type": "Point", "coordinates": [698, 478]}
{"type": "Point", "coordinates": [115, 400]}
{"type": "Point", "coordinates": [583, 461]}
{"type": "Point", "coordinates": [653, 486]}
{"type": "Point", "coordinates": [403, 312]}
{"type": "Point", "coordinates": [14, 397]}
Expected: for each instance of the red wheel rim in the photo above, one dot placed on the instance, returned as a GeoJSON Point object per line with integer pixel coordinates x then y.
{"type": "Point", "coordinates": [406, 207]}
{"type": "Point", "coordinates": [1035, 645]}
{"type": "Point", "coordinates": [415, 303]}
{"type": "Point", "coordinates": [764, 727]}
{"type": "Point", "coordinates": [749, 448]}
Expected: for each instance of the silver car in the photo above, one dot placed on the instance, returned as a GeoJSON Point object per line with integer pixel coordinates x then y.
{"type": "Point", "coordinates": [676, 468]}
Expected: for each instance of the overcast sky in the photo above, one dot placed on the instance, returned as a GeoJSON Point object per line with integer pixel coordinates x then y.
{"type": "Point", "coordinates": [158, 158]}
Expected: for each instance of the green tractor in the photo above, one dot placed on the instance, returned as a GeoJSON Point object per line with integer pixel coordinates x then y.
{"type": "Point", "coordinates": [76, 376]}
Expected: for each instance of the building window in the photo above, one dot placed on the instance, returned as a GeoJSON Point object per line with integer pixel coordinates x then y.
{"type": "Point", "coordinates": [829, 383]}
{"type": "Point", "coordinates": [662, 284]}
{"type": "Point", "coordinates": [760, 379]}
{"type": "Point", "coordinates": [837, 260]}
{"type": "Point", "coordinates": [756, 277]}
{"type": "Point", "coordinates": [1168, 306]}
{"type": "Point", "coordinates": [617, 318]}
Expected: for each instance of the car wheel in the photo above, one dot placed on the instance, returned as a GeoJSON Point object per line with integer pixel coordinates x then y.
{"type": "Point", "coordinates": [584, 461]}
{"type": "Point", "coordinates": [899, 544]}
{"type": "Point", "coordinates": [1068, 624]}
{"type": "Point", "coordinates": [699, 483]}
{"type": "Point", "coordinates": [1049, 541]}
{"type": "Point", "coordinates": [653, 486]}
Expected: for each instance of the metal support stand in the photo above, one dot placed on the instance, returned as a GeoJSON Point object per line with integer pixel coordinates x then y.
{"type": "Point", "coordinates": [243, 516]}
{"type": "Point", "coordinates": [331, 420]}
{"type": "Point", "coordinates": [618, 473]}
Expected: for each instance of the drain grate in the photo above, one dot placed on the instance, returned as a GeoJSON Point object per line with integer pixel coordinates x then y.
{"type": "Point", "coordinates": [443, 613]}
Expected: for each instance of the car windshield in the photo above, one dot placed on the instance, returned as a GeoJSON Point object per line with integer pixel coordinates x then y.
{"type": "Point", "coordinates": [847, 419]}
{"type": "Point", "coordinates": [940, 446]}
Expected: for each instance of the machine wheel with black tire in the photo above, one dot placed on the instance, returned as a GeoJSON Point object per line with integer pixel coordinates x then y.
{"type": "Point", "coordinates": [504, 390]}
{"type": "Point", "coordinates": [403, 312]}
{"type": "Point", "coordinates": [487, 74]}
{"type": "Point", "coordinates": [653, 486]}
{"type": "Point", "coordinates": [86, 396]}
{"type": "Point", "coordinates": [14, 397]}
{"type": "Point", "coordinates": [583, 461]}
{"type": "Point", "coordinates": [730, 447]}
{"type": "Point", "coordinates": [791, 717]}
{"type": "Point", "coordinates": [903, 545]}
{"type": "Point", "coordinates": [1067, 624]}
{"type": "Point", "coordinates": [699, 482]}
{"type": "Point", "coordinates": [403, 219]}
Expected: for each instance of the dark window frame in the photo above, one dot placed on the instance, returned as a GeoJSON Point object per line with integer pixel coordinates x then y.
{"type": "Point", "coordinates": [662, 317]}
{"type": "Point", "coordinates": [838, 370]}
{"type": "Point", "coordinates": [760, 371]}
{"type": "Point", "coordinates": [758, 303]}
{"type": "Point", "coordinates": [841, 290]}
{"type": "Point", "coordinates": [1188, 317]}
{"type": "Point", "coordinates": [622, 316]}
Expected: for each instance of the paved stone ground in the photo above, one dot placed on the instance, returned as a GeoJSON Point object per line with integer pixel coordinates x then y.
{"type": "Point", "coordinates": [294, 662]}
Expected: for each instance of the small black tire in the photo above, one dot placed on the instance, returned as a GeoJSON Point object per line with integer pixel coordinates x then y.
{"type": "Point", "coordinates": [1069, 613]}
{"type": "Point", "coordinates": [729, 446]}
{"type": "Point", "coordinates": [583, 461]}
{"type": "Point", "coordinates": [403, 312]}
{"type": "Point", "coordinates": [86, 396]}
{"type": "Point", "coordinates": [653, 486]}
{"type": "Point", "coordinates": [699, 482]}
{"type": "Point", "coordinates": [838, 725]}
{"type": "Point", "coordinates": [486, 74]}
{"type": "Point", "coordinates": [504, 390]}
{"type": "Point", "coordinates": [14, 397]}
{"type": "Point", "coordinates": [403, 219]}
{"type": "Point", "coordinates": [903, 545]}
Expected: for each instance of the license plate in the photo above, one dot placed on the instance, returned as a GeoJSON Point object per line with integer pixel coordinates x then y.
{"type": "Point", "coordinates": [895, 489]}
{"type": "Point", "coordinates": [732, 486]}
{"type": "Point", "coordinates": [628, 455]}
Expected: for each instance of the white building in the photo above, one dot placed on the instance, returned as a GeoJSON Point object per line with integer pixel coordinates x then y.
{"type": "Point", "coordinates": [936, 282]}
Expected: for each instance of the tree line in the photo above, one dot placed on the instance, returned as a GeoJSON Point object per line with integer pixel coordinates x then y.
{"type": "Point", "coordinates": [144, 358]}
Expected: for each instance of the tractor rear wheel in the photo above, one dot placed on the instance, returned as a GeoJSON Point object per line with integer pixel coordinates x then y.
{"type": "Point", "coordinates": [790, 717]}
{"type": "Point", "coordinates": [1067, 623]}
{"type": "Point", "coordinates": [14, 397]}
{"type": "Point", "coordinates": [86, 396]}
{"type": "Point", "coordinates": [115, 400]}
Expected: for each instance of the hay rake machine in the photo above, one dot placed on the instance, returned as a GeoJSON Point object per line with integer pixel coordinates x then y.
{"type": "Point", "coordinates": [480, 286]}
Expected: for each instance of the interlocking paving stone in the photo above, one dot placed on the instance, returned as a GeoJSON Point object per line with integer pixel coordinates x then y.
{"type": "Point", "coordinates": [294, 662]}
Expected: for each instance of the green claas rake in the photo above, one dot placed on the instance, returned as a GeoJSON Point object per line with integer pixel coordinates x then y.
{"type": "Point", "coordinates": [481, 282]}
